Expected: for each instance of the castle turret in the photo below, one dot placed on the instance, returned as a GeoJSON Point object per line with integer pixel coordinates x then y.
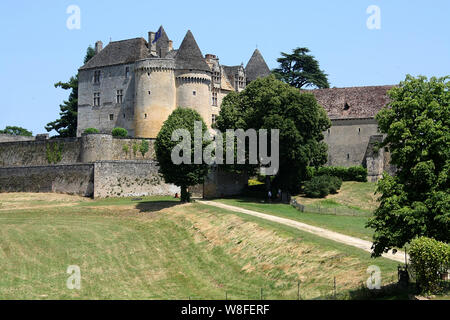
{"type": "Point", "coordinates": [155, 95]}
{"type": "Point", "coordinates": [256, 67]}
{"type": "Point", "coordinates": [193, 79]}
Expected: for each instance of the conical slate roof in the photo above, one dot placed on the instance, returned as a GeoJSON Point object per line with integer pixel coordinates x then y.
{"type": "Point", "coordinates": [189, 55]}
{"type": "Point", "coordinates": [256, 67]}
{"type": "Point", "coordinates": [162, 44]}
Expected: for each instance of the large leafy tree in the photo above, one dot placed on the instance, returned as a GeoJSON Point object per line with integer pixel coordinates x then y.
{"type": "Point", "coordinates": [416, 201]}
{"type": "Point", "coordinates": [66, 126]}
{"type": "Point", "coordinates": [300, 69]}
{"type": "Point", "coordinates": [268, 103]}
{"type": "Point", "coordinates": [182, 175]}
{"type": "Point", "coordinates": [16, 131]}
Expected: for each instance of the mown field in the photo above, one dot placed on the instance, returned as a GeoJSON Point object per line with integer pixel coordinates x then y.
{"type": "Point", "coordinates": [156, 248]}
{"type": "Point", "coordinates": [353, 195]}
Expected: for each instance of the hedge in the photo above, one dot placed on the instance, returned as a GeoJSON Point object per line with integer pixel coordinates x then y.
{"type": "Point", "coordinates": [321, 186]}
{"type": "Point", "coordinates": [429, 260]}
{"type": "Point", "coordinates": [358, 173]}
{"type": "Point", "coordinates": [120, 132]}
{"type": "Point", "coordinates": [91, 131]}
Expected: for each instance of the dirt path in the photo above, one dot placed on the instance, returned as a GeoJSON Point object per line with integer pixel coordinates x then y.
{"type": "Point", "coordinates": [324, 233]}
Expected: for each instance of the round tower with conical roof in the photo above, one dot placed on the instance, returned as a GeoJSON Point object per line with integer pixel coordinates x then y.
{"type": "Point", "coordinates": [193, 79]}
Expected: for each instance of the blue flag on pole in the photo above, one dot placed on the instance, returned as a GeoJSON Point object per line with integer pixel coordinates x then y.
{"type": "Point", "coordinates": [157, 35]}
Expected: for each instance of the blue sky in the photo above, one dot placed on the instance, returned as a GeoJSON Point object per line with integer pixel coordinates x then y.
{"type": "Point", "coordinates": [38, 50]}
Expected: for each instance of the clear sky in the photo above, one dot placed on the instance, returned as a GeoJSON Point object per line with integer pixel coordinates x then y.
{"type": "Point", "coordinates": [38, 50]}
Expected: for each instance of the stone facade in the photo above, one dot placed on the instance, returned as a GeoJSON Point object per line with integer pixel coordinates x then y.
{"type": "Point", "coordinates": [136, 85]}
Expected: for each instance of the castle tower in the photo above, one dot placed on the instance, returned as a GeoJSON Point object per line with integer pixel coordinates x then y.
{"type": "Point", "coordinates": [193, 79]}
{"type": "Point", "coordinates": [256, 67]}
{"type": "Point", "coordinates": [155, 95]}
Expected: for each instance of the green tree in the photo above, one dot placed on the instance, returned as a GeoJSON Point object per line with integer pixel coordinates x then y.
{"type": "Point", "coordinates": [416, 201]}
{"type": "Point", "coordinates": [16, 131]}
{"type": "Point", "coordinates": [301, 69]}
{"type": "Point", "coordinates": [183, 175]}
{"type": "Point", "coordinates": [66, 126]}
{"type": "Point", "coordinates": [268, 103]}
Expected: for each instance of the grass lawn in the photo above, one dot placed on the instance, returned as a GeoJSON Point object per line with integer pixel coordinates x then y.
{"type": "Point", "coordinates": [353, 195]}
{"type": "Point", "coordinates": [350, 225]}
{"type": "Point", "coordinates": [155, 248]}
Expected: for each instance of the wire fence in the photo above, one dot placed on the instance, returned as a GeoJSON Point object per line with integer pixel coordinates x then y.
{"type": "Point", "coordinates": [338, 211]}
{"type": "Point", "coordinates": [331, 291]}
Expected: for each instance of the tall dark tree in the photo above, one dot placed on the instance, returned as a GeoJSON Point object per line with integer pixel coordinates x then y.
{"type": "Point", "coordinates": [268, 103]}
{"type": "Point", "coordinates": [66, 126]}
{"type": "Point", "coordinates": [301, 69]}
{"type": "Point", "coordinates": [16, 131]}
{"type": "Point", "coordinates": [416, 201]}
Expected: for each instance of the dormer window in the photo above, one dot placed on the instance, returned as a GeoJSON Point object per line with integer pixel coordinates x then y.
{"type": "Point", "coordinates": [127, 72]}
{"type": "Point", "coordinates": [216, 77]}
{"type": "Point", "coordinates": [346, 107]}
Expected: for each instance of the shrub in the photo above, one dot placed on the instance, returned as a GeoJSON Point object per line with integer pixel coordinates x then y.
{"type": "Point", "coordinates": [358, 173]}
{"type": "Point", "coordinates": [429, 259]}
{"type": "Point", "coordinates": [91, 131]}
{"type": "Point", "coordinates": [135, 149]}
{"type": "Point", "coordinates": [144, 147]}
{"type": "Point", "coordinates": [321, 186]}
{"type": "Point", "coordinates": [120, 132]}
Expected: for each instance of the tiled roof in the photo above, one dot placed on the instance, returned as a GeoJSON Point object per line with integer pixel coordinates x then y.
{"type": "Point", "coordinates": [352, 102]}
{"type": "Point", "coordinates": [119, 52]}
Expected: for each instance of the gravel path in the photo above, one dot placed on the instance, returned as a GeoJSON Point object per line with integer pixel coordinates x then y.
{"type": "Point", "coordinates": [324, 233]}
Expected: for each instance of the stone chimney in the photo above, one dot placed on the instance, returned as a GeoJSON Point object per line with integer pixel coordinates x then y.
{"type": "Point", "coordinates": [151, 46]}
{"type": "Point", "coordinates": [98, 47]}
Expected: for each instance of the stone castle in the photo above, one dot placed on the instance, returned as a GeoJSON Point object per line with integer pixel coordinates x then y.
{"type": "Point", "coordinates": [136, 84]}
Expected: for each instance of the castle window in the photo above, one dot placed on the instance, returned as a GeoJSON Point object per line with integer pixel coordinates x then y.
{"type": "Point", "coordinates": [97, 76]}
{"type": "Point", "coordinates": [241, 82]}
{"type": "Point", "coordinates": [124, 115]}
{"type": "Point", "coordinates": [348, 156]}
{"type": "Point", "coordinates": [111, 117]}
{"type": "Point", "coordinates": [119, 96]}
{"type": "Point", "coordinates": [127, 72]}
{"type": "Point", "coordinates": [194, 93]}
{"type": "Point", "coordinates": [359, 130]}
{"type": "Point", "coordinates": [216, 77]}
{"type": "Point", "coordinates": [145, 116]}
{"type": "Point", "coordinates": [214, 97]}
{"type": "Point", "coordinates": [96, 99]}
{"type": "Point", "coordinates": [149, 92]}
{"type": "Point", "coordinates": [213, 119]}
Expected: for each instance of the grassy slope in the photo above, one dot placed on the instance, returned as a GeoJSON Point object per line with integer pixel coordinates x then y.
{"type": "Point", "coordinates": [353, 195]}
{"type": "Point", "coordinates": [350, 225]}
{"type": "Point", "coordinates": [157, 249]}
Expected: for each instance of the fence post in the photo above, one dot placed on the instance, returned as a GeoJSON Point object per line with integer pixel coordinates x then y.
{"type": "Point", "coordinates": [334, 288]}
{"type": "Point", "coordinates": [261, 293]}
{"type": "Point", "coordinates": [298, 290]}
{"type": "Point", "coordinates": [226, 296]}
